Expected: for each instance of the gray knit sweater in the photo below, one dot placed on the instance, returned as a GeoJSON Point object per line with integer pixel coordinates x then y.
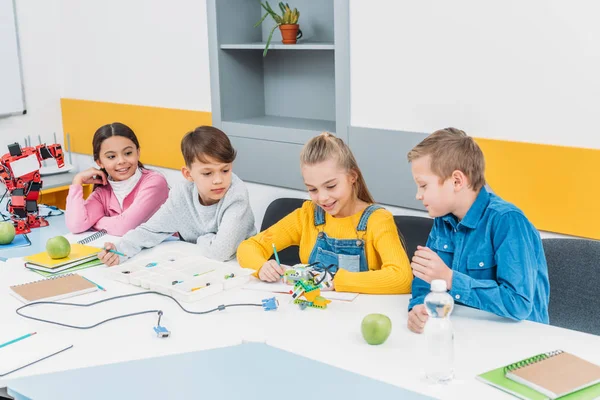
{"type": "Point", "coordinates": [217, 229]}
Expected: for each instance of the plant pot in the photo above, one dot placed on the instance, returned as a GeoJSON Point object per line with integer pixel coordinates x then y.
{"type": "Point", "coordinates": [290, 33]}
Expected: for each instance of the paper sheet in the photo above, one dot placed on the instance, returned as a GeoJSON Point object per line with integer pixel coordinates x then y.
{"type": "Point", "coordinates": [280, 287]}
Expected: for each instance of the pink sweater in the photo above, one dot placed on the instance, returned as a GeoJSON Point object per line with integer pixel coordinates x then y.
{"type": "Point", "coordinates": [102, 210]}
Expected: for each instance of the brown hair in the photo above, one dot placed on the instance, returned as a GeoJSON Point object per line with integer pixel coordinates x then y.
{"type": "Point", "coordinates": [110, 130]}
{"type": "Point", "coordinates": [206, 141]}
{"type": "Point", "coordinates": [452, 149]}
{"type": "Point", "coordinates": [326, 146]}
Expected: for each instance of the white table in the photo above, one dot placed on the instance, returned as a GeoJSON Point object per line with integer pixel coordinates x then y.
{"type": "Point", "coordinates": [482, 341]}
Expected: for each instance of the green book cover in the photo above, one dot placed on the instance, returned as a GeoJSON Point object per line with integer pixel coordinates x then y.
{"type": "Point", "coordinates": [89, 264]}
{"type": "Point", "coordinates": [497, 379]}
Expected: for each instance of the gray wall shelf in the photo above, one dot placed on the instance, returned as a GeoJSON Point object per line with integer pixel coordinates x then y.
{"type": "Point", "coordinates": [270, 106]}
{"type": "Point", "coordinates": [279, 46]}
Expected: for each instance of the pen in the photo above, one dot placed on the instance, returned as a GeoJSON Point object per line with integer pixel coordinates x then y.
{"type": "Point", "coordinates": [94, 283]}
{"type": "Point", "coordinates": [17, 339]}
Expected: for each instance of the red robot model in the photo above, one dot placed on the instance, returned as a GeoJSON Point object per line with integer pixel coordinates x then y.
{"type": "Point", "coordinates": [20, 173]}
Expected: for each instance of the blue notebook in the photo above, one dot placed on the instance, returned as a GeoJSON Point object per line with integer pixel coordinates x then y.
{"type": "Point", "coordinates": [19, 241]}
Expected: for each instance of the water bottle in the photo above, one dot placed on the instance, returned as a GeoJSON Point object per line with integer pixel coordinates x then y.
{"type": "Point", "coordinates": [439, 334]}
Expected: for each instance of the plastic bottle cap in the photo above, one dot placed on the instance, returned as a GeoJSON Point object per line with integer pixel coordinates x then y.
{"type": "Point", "coordinates": [438, 285]}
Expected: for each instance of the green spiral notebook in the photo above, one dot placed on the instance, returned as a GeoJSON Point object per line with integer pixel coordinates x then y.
{"type": "Point", "coordinates": [544, 367]}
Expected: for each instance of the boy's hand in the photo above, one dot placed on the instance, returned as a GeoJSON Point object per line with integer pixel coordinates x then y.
{"type": "Point", "coordinates": [427, 265]}
{"type": "Point", "coordinates": [417, 318]}
{"type": "Point", "coordinates": [108, 258]}
{"type": "Point", "coordinates": [270, 271]}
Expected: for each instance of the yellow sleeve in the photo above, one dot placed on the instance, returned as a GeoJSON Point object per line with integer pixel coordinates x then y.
{"type": "Point", "coordinates": [255, 251]}
{"type": "Point", "coordinates": [395, 275]}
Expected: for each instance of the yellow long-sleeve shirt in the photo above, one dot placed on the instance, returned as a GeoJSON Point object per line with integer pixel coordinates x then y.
{"type": "Point", "coordinates": [389, 268]}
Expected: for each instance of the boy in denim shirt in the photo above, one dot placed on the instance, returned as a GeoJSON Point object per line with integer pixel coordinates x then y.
{"type": "Point", "coordinates": [486, 250]}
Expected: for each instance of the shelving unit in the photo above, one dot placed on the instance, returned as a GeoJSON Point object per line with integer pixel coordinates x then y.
{"type": "Point", "coordinates": [281, 100]}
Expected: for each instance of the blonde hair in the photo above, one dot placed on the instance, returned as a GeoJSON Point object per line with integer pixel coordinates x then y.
{"type": "Point", "coordinates": [327, 146]}
{"type": "Point", "coordinates": [452, 149]}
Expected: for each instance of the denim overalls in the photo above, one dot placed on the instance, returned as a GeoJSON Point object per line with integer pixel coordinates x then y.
{"type": "Point", "coordinates": [348, 254]}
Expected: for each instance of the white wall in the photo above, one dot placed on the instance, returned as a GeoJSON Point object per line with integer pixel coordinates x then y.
{"type": "Point", "coordinates": [38, 34]}
{"type": "Point", "coordinates": [156, 54]}
{"type": "Point", "coordinates": [513, 70]}
{"type": "Point", "coordinates": [143, 52]}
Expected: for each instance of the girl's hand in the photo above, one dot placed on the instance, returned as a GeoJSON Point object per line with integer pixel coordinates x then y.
{"type": "Point", "coordinates": [270, 271]}
{"type": "Point", "coordinates": [108, 258]}
{"type": "Point", "coordinates": [90, 176]}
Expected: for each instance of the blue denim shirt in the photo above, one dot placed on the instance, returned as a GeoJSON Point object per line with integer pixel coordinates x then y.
{"type": "Point", "coordinates": [497, 258]}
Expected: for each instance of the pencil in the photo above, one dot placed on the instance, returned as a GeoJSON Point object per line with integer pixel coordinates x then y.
{"type": "Point", "coordinates": [276, 255]}
{"type": "Point", "coordinates": [116, 252]}
{"type": "Point", "coordinates": [17, 339]}
{"type": "Point", "coordinates": [94, 283]}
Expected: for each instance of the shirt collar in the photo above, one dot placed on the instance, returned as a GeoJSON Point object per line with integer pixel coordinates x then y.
{"type": "Point", "coordinates": [475, 212]}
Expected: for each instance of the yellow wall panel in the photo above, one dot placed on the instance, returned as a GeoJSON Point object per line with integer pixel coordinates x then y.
{"type": "Point", "coordinates": [555, 186]}
{"type": "Point", "coordinates": [159, 130]}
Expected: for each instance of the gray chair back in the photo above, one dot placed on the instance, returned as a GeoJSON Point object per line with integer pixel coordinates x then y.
{"type": "Point", "coordinates": [574, 274]}
{"type": "Point", "coordinates": [413, 231]}
{"type": "Point", "coordinates": [278, 209]}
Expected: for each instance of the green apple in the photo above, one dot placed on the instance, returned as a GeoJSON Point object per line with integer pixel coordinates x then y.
{"type": "Point", "coordinates": [58, 247]}
{"type": "Point", "coordinates": [7, 232]}
{"type": "Point", "coordinates": [376, 328]}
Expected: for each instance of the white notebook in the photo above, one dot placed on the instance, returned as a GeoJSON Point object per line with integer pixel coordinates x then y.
{"type": "Point", "coordinates": [28, 351]}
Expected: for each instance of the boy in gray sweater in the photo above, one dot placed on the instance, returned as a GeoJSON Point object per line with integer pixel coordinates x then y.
{"type": "Point", "coordinates": [211, 209]}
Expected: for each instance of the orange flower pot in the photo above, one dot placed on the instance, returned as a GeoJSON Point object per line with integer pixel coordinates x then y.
{"type": "Point", "coordinates": [290, 33]}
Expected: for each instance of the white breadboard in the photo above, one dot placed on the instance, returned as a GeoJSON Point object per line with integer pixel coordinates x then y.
{"type": "Point", "coordinates": [176, 274]}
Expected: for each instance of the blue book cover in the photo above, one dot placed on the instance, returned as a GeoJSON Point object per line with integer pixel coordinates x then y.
{"type": "Point", "coordinates": [18, 241]}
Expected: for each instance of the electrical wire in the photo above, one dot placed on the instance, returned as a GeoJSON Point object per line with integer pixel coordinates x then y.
{"type": "Point", "coordinates": [159, 312]}
{"type": "Point", "coordinates": [4, 217]}
{"type": "Point", "coordinates": [327, 271]}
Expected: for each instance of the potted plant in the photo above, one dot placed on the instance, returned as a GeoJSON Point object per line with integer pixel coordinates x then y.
{"type": "Point", "coordinates": [287, 23]}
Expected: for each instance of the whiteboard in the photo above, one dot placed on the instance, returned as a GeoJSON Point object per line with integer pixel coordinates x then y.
{"type": "Point", "coordinates": [12, 98]}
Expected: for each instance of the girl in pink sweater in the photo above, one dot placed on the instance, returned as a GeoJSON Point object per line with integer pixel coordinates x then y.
{"type": "Point", "coordinates": [125, 193]}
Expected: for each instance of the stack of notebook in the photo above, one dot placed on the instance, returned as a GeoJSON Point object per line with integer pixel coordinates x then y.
{"type": "Point", "coordinates": [553, 375]}
{"type": "Point", "coordinates": [81, 256]}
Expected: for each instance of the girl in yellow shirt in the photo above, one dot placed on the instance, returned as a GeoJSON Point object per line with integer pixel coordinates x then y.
{"type": "Point", "coordinates": [340, 227]}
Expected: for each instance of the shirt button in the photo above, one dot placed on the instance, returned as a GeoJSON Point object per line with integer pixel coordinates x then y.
{"type": "Point", "coordinates": [445, 246]}
{"type": "Point", "coordinates": [481, 264]}
{"type": "Point", "coordinates": [457, 296]}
